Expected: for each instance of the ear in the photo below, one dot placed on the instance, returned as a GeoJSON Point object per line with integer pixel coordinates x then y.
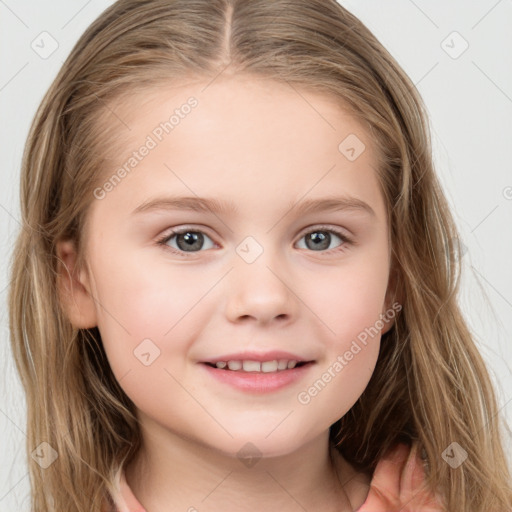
{"type": "Point", "coordinates": [73, 288]}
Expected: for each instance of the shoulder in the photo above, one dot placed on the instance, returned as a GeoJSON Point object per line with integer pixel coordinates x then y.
{"type": "Point", "coordinates": [399, 484]}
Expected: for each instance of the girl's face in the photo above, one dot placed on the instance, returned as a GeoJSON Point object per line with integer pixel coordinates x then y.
{"type": "Point", "coordinates": [283, 256]}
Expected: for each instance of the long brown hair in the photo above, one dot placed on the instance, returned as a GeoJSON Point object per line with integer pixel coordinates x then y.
{"type": "Point", "coordinates": [430, 385]}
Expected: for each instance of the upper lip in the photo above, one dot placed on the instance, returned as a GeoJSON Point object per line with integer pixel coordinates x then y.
{"type": "Point", "coordinates": [257, 356]}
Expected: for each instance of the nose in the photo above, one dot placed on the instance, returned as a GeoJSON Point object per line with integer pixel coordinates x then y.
{"type": "Point", "coordinates": [260, 292]}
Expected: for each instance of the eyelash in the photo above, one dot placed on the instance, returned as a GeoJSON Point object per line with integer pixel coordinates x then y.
{"type": "Point", "coordinates": [166, 238]}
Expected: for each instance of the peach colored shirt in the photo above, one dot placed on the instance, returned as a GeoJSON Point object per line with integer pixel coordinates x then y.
{"type": "Point", "coordinates": [394, 486]}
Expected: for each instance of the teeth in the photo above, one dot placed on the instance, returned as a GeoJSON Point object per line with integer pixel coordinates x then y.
{"type": "Point", "coordinates": [235, 365]}
{"type": "Point", "coordinates": [283, 364]}
{"type": "Point", "coordinates": [257, 366]}
{"type": "Point", "coordinates": [268, 366]}
{"type": "Point", "coordinates": [252, 366]}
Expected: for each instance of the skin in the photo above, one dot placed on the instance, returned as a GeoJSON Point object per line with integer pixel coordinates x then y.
{"type": "Point", "coordinates": [261, 145]}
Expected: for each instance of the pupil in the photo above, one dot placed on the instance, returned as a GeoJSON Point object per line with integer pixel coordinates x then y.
{"type": "Point", "coordinates": [193, 240]}
{"type": "Point", "coordinates": [320, 240]}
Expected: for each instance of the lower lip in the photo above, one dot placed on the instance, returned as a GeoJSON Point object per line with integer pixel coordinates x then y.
{"type": "Point", "coordinates": [259, 382]}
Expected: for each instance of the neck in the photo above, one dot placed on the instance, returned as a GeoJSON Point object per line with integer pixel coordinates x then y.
{"type": "Point", "coordinates": [172, 473]}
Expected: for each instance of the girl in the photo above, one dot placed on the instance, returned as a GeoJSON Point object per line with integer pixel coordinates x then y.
{"type": "Point", "coordinates": [236, 283]}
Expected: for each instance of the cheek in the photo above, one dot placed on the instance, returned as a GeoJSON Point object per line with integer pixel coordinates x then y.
{"type": "Point", "coordinates": [350, 356]}
{"type": "Point", "coordinates": [348, 301]}
{"type": "Point", "coordinates": [148, 320]}
{"type": "Point", "coordinates": [137, 303]}
{"type": "Point", "coordinates": [349, 306]}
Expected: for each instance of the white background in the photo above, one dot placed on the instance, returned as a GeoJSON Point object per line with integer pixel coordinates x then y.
{"type": "Point", "coordinates": [469, 99]}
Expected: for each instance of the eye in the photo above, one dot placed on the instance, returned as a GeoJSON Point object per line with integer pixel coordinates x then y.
{"type": "Point", "coordinates": [185, 241]}
{"type": "Point", "coordinates": [319, 239]}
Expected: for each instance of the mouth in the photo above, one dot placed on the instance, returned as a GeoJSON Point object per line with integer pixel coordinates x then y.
{"type": "Point", "coordinates": [251, 366]}
{"type": "Point", "coordinates": [258, 377]}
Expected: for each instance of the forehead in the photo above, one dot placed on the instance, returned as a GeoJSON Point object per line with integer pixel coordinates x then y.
{"type": "Point", "coordinates": [238, 109]}
{"type": "Point", "coordinates": [234, 136]}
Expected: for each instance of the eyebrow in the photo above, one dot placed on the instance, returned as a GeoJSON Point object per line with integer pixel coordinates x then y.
{"type": "Point", "coordinates": [211, 205]}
